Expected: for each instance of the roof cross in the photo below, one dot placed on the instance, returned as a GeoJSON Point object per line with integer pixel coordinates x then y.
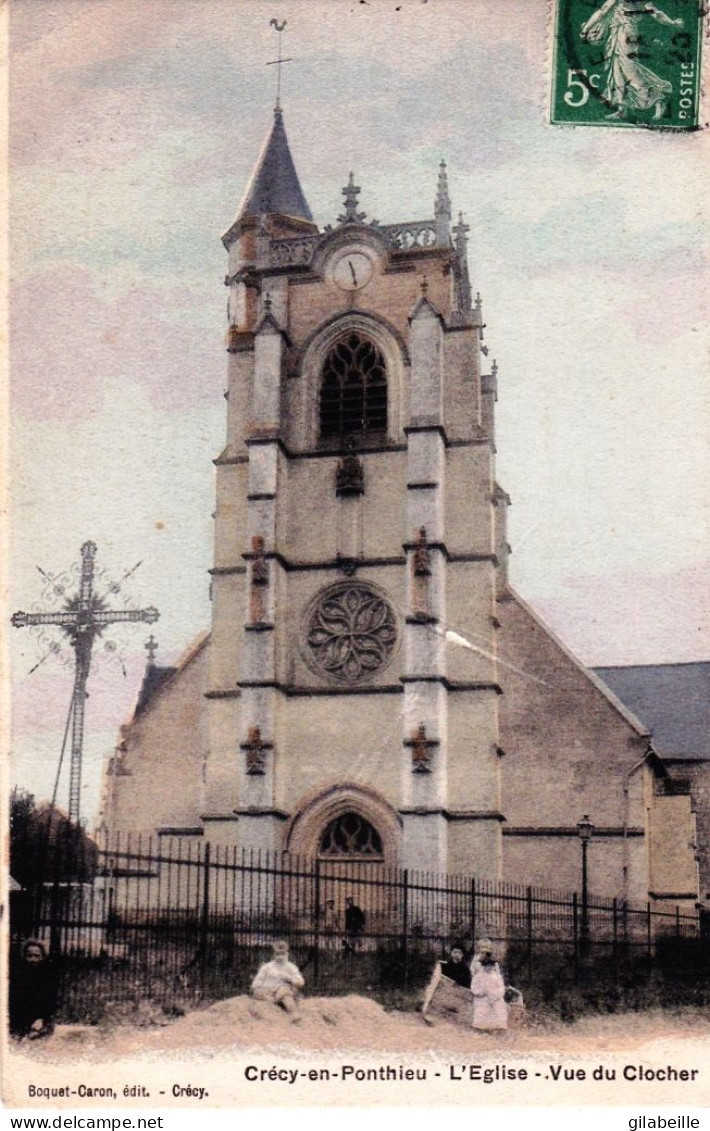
{"type": "Point", "coordinates": [151, 647]}
{"type": "Point", "coordinates": [278, 62]}
{"type": "Point", "coordinates": [82, 617]}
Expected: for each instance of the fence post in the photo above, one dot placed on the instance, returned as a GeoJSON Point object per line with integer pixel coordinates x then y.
{"type": "Point", "coordinates": [677, 921]}
{"type": "Point", "coordinates": [318, 910]}
{"type": "Point", "coordinates": [649, 932]}
{"type": "Point", "coordinates": [473, 914]}
{"type": "Point", "coordinates": [575, 935]}
{"type": "Point", "coordinates": [405, 924]}
{"type": "Point", "coordinates": [626, 927]}
{"type": "Point", "coordinates": [529, 903]}
{"type": "Point", "coordinates": [205, 915]}
{"type": "Point", "coordinates": [56, 935]}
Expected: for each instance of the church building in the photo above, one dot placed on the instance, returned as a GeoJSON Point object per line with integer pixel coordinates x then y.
{"type": "Point", "coordinates": [372, 686]}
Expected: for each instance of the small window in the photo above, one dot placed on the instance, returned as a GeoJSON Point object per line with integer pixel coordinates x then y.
{"type": "Point", "coordinates": [353, 399]}
{"type": "Point", "coordinates": [350, 835]}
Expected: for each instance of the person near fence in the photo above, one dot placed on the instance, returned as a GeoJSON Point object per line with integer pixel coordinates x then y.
{"type": "Point", "coordinates": [490, 1009]}
{"type": "Point", "coordinates": [330, 925]}
{"type": "Point", "coordinates": [279, 981]}
{"type": "Point", "coordinates": [33, 992]}
{"type": "Point", "coordinates": [449, 972]}
{"type": "Point", "coordinates": [354, 924]}
{"type": "Point", "coordinates": [484, 949]}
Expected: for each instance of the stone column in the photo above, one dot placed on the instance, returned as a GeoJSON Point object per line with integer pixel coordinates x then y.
{"type": "Point", "coordinates": [424, 716]}
{"type": "Point", "coordinates": [258, 820]}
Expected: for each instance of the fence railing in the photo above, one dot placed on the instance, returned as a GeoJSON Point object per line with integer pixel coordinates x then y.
{"type": "Point", "coordinates": [167, 916]}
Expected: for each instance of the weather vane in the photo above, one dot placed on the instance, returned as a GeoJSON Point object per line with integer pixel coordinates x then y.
{"type": "Point", "coordinates": [83, 616]}
{"type": "Point", "coordinates": [278, 62]}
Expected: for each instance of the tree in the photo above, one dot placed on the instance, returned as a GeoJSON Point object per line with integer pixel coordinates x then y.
{"type": "Point", "coordinates": [45, 846]}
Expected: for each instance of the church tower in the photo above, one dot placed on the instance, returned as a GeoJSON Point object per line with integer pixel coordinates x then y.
{"type": "Point", "coordinates": [352, 691]}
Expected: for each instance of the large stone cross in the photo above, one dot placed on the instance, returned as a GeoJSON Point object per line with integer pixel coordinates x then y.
{"type": "Point", "coordinates": [83, 618]}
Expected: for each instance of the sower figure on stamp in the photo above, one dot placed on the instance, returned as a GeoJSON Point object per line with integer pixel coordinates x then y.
{"type": "Point", "coordinates": [279, 981]}
{"type": "Point", "coordinates": [629, 84]}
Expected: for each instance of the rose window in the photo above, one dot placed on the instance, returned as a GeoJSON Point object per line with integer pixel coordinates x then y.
{"type": "Point", "coordinates": [351, 632]}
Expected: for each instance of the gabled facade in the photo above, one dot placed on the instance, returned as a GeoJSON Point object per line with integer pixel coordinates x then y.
{"type": "Point", "coordinates": [371, 684]}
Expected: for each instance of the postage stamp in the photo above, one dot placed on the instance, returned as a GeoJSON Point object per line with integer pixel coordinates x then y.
{"type": "Point", "coordinates": [627, 63]}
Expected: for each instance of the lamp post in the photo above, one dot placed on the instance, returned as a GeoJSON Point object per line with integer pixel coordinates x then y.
{"type": "Point", "coordinates": [585, 830]}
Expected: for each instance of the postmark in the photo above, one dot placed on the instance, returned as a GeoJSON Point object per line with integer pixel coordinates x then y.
{"type": "Point", "coordinates": [629, 63]}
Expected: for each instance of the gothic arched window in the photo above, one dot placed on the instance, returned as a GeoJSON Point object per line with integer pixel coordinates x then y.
{"type": "Point", "coordinates": [353, 396]}
{"type": "Point", "coordinates": [351, 835]}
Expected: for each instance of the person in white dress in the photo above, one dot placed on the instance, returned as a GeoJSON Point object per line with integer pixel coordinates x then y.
{"type": "Point", "coordinates": [484, 949]}
{"type": "Point", "coordinates": [490, 1010]}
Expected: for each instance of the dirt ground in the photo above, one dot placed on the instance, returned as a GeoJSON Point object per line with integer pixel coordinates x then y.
{"type": "Point", "coordinates": [356, 1023]}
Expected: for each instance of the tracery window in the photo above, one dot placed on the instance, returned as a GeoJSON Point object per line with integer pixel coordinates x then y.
{"type": "Point", "coordinates": [350, 835]}
{"type": "Point", "coordinates": [353, 398]}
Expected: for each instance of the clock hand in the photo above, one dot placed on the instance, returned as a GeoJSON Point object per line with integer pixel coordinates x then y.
{"type": "Point", "coordinates": [352, 272]}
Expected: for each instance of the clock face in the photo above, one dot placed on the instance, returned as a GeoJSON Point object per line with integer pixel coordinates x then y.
{"type": "Point", "coordinates": [352, 269]}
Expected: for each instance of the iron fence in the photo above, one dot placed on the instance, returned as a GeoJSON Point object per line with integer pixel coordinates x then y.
{"type": "Point", "coordinates": [172, 919]}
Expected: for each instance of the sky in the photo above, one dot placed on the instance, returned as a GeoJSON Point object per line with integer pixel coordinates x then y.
{"type": "Point", "coordinates": [134, 125]}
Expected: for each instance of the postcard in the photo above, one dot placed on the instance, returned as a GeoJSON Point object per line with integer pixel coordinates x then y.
{"type": "Point", "coordinates": [357, 608]}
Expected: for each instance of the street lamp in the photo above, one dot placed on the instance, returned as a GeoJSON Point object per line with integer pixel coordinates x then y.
{"type": "Point", "coordinates": [585, 830]}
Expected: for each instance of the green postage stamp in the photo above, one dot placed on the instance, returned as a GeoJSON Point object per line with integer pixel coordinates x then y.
{"type": "Point", "coordinates": [627, 63]}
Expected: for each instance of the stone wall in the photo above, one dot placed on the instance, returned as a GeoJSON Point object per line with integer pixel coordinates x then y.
{"type": "Point", "coordinates": [570, 749]}
{"type": "Point", "coordinates": [696, 772]}
{"type": "Point", "coordinates": [154, 779]}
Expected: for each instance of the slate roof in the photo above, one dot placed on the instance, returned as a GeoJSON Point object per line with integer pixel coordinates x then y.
{"type": "Point", "coordinates": [156, 677]}
{"type": "Point", "coordinates": [673, 700]}
{"type": "Point", "coordinates": [274, 186]}
{"type": "Point", "coordinates": [153, 680]}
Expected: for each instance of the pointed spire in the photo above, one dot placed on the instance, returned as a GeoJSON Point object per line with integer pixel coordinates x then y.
{"type": "Point", "coordinates": [463, 281]}
{"type": "Point", "coordinates": [442, 207]}
{"type": "Point", "coordinates": [460, 232]}
{"type": "Point", "coordinates": [274, 187]}
{"type": "Point", "coordinates": [351, 193]}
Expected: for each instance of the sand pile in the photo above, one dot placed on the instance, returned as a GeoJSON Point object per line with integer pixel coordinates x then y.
{"type": "Point", "coordinates": [241, 1022]}
{"type": "Point", "coordinates": [356, 1023]}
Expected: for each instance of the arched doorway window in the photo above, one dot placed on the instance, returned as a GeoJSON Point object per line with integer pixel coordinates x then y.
{"type": "Point", "coordinates": [349, 836]}
{"type": "Point", "coordinates": [353, 395]}
{"type": "Point", "coordinates": [351, 863]}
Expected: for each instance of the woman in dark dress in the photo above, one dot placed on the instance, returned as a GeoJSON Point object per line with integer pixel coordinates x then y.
{"type": "Point", "coordinates": [454, 968]}
{"type": "Point", "coordinates": [33, 992]}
